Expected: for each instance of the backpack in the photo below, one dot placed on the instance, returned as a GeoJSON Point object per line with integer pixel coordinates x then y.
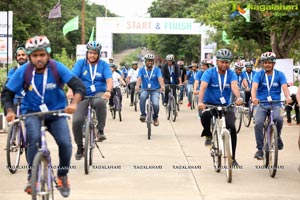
{"type": "Point", "coordinates": [53, 69]}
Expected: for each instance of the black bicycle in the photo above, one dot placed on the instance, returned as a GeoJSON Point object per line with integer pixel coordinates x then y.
{"type": "Point", "coordinates": [117, 106]}
{"type": "Point", "coordinates": [171, 107]}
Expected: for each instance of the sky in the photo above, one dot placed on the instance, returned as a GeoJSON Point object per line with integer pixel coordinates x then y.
{"type": "Point", "coordinates": [126, 8]}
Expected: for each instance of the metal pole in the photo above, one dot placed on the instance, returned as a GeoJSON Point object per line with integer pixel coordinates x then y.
{"type": "Point", "coordinates": [7, 35]}
{"type": "Point", "coordinates": [82, 24]}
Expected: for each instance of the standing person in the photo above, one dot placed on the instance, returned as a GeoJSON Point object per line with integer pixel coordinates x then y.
{"type": "Point", "coordinates": [216, 86]}
{"type": "Point", "coordinates": [182, 71]}
{"type": "Point", "coordinates": [267, 85]}
{"type": "Point", "coordinates": [149, 77]}
{"type": "Point", "coordinates": [289, 107]}
{"type": "Point", "coordinates": [117, 79]}
{"type": "Point", "coordinates": [131, 80]}
{"type": "Point", "coordinates": [247, 80]}
{"type": "Point", "coordinates": [44, 93]}
{"type": "Point", "coordinates": [171, 75]}
{"type": "Point", "coordinates": [97, 78]}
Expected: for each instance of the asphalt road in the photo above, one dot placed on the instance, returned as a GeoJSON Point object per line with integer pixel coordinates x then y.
{"type": "Point", "coordinates": [173, 165]}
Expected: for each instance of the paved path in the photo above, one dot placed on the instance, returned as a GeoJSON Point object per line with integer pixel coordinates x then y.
{"type": "Point", "coordinates": [173, 147]}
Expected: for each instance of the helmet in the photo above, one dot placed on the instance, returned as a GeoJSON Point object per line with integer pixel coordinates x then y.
{"type": "Point", "coordinates": [207, 62]}
{"type": "Point", "coordinates": [37, 43]}
{"type": "Point", "coordinates": [93, 45]}
{"type": "Point", "coordinates": [180, 62]}
{"type": "Point", "coordinates": [170, 57]}
{"type": "Point", "coordinates": [238, 65]}
{"type": "Point", "coordinates": [149, 56]}
{"type": "Point", "coordinates": [113, 65]}
{"type": "Point", "coordinates": [111, 59]}
{"type": "Point", "coordinates": [134, 63]}
{"type": "Point", "coordinates": [248, 64]}
{"type": "Point", "coordinates": [268, 56]}
{"type": "Point", "coordinates": [224, 54]}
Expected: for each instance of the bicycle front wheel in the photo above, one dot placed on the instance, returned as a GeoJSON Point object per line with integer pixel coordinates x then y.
{"type": "Point", "coordinates": [41, 178]}
{"type": "Point", "coordinates": [238, 119]}
{"type": "Point", "coordinates": [135, 102]}
{"type": "Point", "coordinates": [148, 119]}
{"type": "Point", "coordinates": [87, 153]}
{"type": "Point", "coordinates": [227, 156]}
{"type": "Point", "coordinates": [173, 110]}
{"type": "Point", "coordinates": [272, 151]}
{"type": "Point", "coordinates": [215, 152]}
{"type": "Point", "coordinates": [247, 116]}
{"type": "Point", "coordinates": [13, 147]}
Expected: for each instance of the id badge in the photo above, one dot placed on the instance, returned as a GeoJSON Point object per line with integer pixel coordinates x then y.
{"type": "Point", "coordinates": [222, 99]}
{"type": "Point", "coordinates": [149, 85]}
{"type": "Point", "coordinates": [44, 108]}
{"type": "Point", "coordinates": [93, 88]}
{"type": "Point", "coordinates": [269, 98]}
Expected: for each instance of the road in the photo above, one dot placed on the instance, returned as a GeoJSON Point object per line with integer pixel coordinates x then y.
{"type": "Point", "coordinates": [135, 168]}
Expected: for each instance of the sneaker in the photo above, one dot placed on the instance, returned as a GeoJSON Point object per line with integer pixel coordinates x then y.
{"type": "Point", "coordinates": [189, 105]}
{"type": "Point", "coordinates": [280, 144]}
{"type": "Point", "coordinates": [79, 153]}
{"type": "Point", "coordinates": [259, 155]}
{"type": "Point", "coordinates": [100, 136]}
{"type": "Point", "coordinates": [180, 102]}
{"type": "Point", "coordinates": [63, 185]}
{"type": "Point", "coordinates": [131, 104]}
{"type": "Point", "coordinates": [208, 141]}
{"type": "Point", "coordinates": [165, 104]}
{"type": "Point", "coordinates": [142, 118]}
{"type": "Point", "coordinates": [235, 164]}
{"type": "Point", "coordinates": [156, 122]}
{"type": "Point", "coordinates": [28, 188]}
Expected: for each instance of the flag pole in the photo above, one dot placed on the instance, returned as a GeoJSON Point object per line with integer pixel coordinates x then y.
{"type": "Point", "coordinates": [82, 23]}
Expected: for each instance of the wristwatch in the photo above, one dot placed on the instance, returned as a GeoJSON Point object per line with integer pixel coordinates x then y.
{"type": "Point", "coordinates": [107, 90]}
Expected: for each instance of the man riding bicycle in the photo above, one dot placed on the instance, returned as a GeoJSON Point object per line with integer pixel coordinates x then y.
{"type": "Point", "coordinates": [149, 77]}
{"type": "Point", "coordinates": [247, 80]}
{"type": "Point", "coordinates": [267, 85]}
{"type": "Point", "coordinates": [43, 94]}
{"type": "Point", "coordinates": [191, 77]}
{"type": "Point", "coordinates": [216, 86]}
{"type": "Point", "coordinates": [131, 80]}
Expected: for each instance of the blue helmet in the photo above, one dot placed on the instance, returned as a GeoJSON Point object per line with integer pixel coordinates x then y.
{"type": "Point", "coordinates": [94, 45]}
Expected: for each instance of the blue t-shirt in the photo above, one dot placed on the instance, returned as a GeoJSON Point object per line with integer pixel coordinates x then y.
{"type": "Point", "coordinates": [54, 96]}
{"type": "Point", "coordinates": [275, 88]}
{"type": "Point", "coordinates": [240, 78]}
{"type": "Point", "coordinates": [82, 70]}
{"type": "Point", "coordinates": [191, 76]}
{"type": "Point", "coordinates": [249, 77]}
{"type": "Point", "coordinates": [20, 93]}
{"type": "Point", "coordinates": [154, 74]}
{"type": "Point", "coordinates": [125, 72]}
{"type": "Point", "coordinates": [212, 93]}
{"type": "Point", "coordinates": [198, 77]}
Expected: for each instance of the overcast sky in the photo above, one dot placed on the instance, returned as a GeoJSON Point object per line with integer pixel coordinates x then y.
{"type": "Point", "coordinates": [126, 8]}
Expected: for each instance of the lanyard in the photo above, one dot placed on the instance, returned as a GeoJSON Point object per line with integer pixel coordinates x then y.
{"type": "Point", "coordinates": [93, 74]}
{"type": "Point", "coordinates": [170, 69]}
{"type": "Point", "coordinates": [194, 75]}
{"type": "Point", "coordinates": [220, 83]}
{"type": "Point", "coordinates": [44, 84]}
{"type": "Point", "coordinates": [149, 77]}
{"type": "Point", "coordinates": [249, 79]}
{"type": "Point", "coordinates": [267, 81]}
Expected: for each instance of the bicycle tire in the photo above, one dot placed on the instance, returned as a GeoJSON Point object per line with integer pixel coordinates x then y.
{"type": "Point", "coordinates": [114, 112]}
{"type": "Point", "coordinates": [190, 99]}
{"type": "Point", "coordinates": [42, 188]}
{"type": "Point", "coordinates": [174, 111]}
{"type": "Point", "coordinates": [273, 152]}
{"type": "Point", "coordinates": [227, 156]}
{"type": "Point", "coordinates": [216, 152]}
{"type": "Point", "coordinates": [87, 147]}
{"type": "Point", "coordinates": [148, 118]}
{"type": "Point", "coordinates": [168, 107]}
{"type": "Point", "coordinates": [92, 142]}
{"type": "Point", "coordinates": [247, 116]}
{"type": "Point", "coordinates": [118, 108]}
{"type": "Point", "coordinates": [238, 120]}
{"type": "Point", "coordinates": [13, 147]}
{"type": "Point", "coordinates": [135, 102]}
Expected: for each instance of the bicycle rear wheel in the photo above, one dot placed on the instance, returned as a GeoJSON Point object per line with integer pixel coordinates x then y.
{"type": "Point", "coordinates": [13, 147]}
{"type": "Point", "coordinates": [271, 151]}
{"type": "Point", "coordinates": [215, 152]}
{"type": "Point", "coordinates": [238, 119]}
{"type": "Point", "coordinates": [173, 110]}
{"type": "Point", "coordinates": [247, 116]}
{"type": "Point", "coordinates": [41, 179]}
{"type": "Point", "coordinates": [148, 119]}
{"type": "Point", "coordinates": [227, 155]}
{"type": "Point", "coordinates": [87, 149]}
{"type": "Point", "coordinates": [92, 146]}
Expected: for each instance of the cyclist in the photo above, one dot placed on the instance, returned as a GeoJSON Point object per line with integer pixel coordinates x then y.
{"type": "Point", "coordinates": [238, 67]}
{"type": "Point", "coordinates": [171, 75]}
{"type": "Point", "coordinates": [149, 77]}
{"type": "Point", "coordinates": [267, 85]}
{"type": "Point", "coordinates": [43, 94]}
{"type": "Point", "coordinates": [205, 64]}
{"type": "Point", "coordinates": [288, 108]}
{"type": "Point", "coordinates": [191, 77]}
{"type": "Point", "coordinates": [97, 78]}
{"type": "Point", "coordinates": [125, 71]}
{"type": "Point", "coordinates": [131, 80]}
{"type": "Point", "coordinates": [216, 86]}
{"type": "Point", "coordinates": [117, 79]}
{"type": "Point", "coordinates": [247, 80]}
{"type": "Point", "coordinates": [182, 70]}
{"type": "Point", "coordinates": [110, 60]}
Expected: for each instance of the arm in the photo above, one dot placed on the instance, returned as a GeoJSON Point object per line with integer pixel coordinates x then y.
{"type": "Point", "coordinates": [109, 87]}
{"type": "Point", "coordinates": [138, 83]}
{"type": "Point", "coordinates": [254, 92]}
{"type": "Point", "coordinates": [286, 93]}
{"type": "Point", "coordinates": [202, 90]}
{"type": "Point", "coordinates": [298, 95]}
{"type": "Point", "coordinates": [161, 83]}
{"type": "Point", "coordinates": [196, 83]}
{"type": "Point", "coordinates": [245, 84]}
{"type": "Point", "coordinates": [122, 81]}
{"type": "Point", "coordinates": [7, 97]}
{"type": "Point", "coordinates": [77, 89]}
{"type": "Point", "coordinates": [236, 91]}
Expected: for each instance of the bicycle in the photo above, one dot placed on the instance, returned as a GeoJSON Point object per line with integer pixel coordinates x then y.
{"type": "Point", "coordinates": [270, 147]}
{"type": "Point", "coordinates": [220, 134]}
{"type": "Point", "coordinates": [191, 98]}
{"type": "Point", "coordinates": [248, 114]}
{"type": "Point", "coordinates": [238, 117]}
{"type": "Point", "coordinates": [16, 141]}
{"type": "Point", "coordinates": [171, 110]}
{"type": "Point", "coordinates": [42, 178]}
{"type": "Point", "coordinates": [89, 135]}
{"type": "Point", "coordinates": [117, 107]}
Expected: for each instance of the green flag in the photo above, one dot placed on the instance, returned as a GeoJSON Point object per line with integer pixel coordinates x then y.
{"type": "Point", "coordinates": [92, 35]}
{"type": "Point", "coordinates": [71, 25]}
{"type": "Point", "coordinates": [225, 37]}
